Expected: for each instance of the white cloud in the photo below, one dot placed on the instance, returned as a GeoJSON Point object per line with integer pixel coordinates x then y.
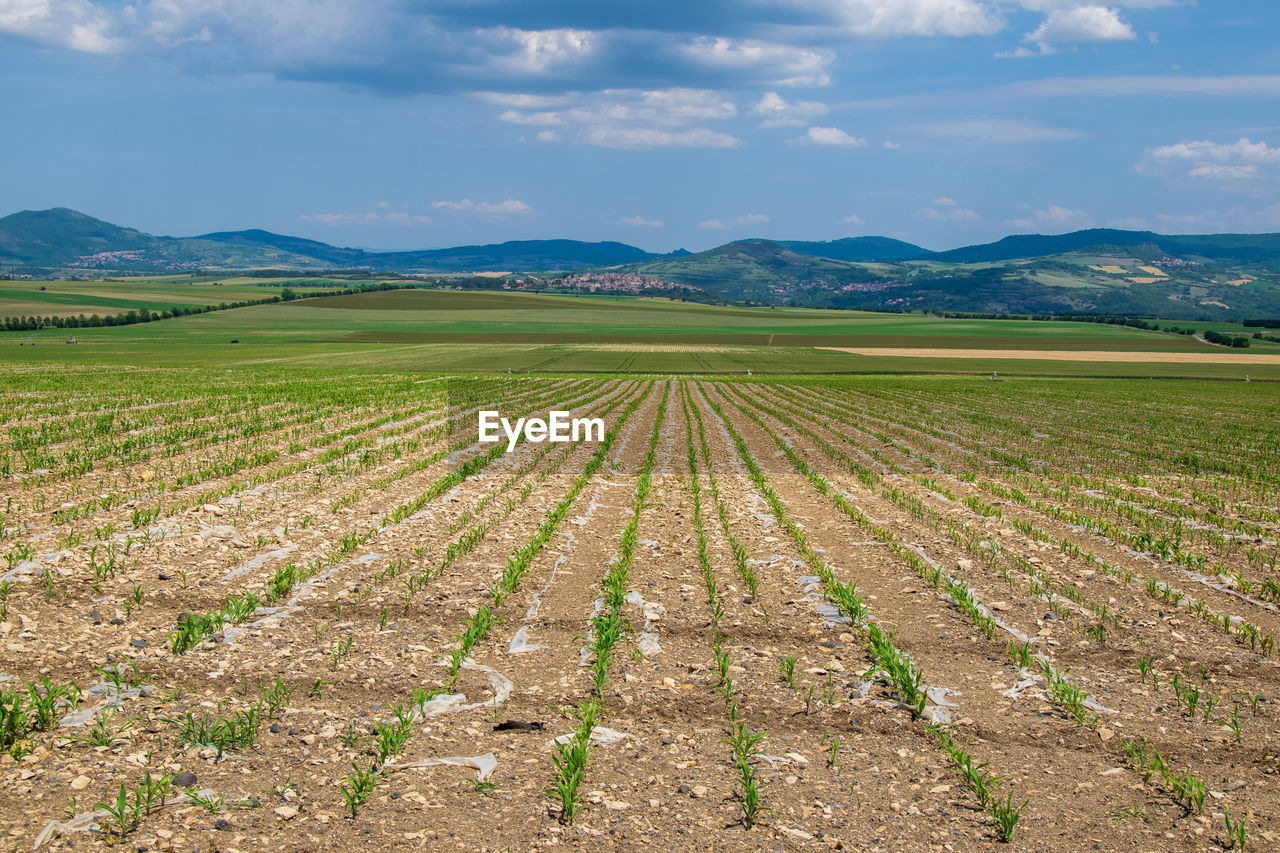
{"type": "Point", "coordinates": [853, 219]}
{"type": "Point", "coordinates": [890, 18]}
{"type": "Point", "coordinates": [777, 111]}
{"type": "Point", "coordinates": [945, 207]}
{"type": "Point", "coordinates": [510, 207]}
{"type": "Point", "coordinates": [548, 136]}
{"type": "Point", "coordinates": [1215, 161]}
{"type": "Point", "coordinates": [522, 101]}
{"type": "Point", "coordinates": [641, 222]}
{"type": "Point", "coordinates": [891, 146]}
{"type": "Point", "coordinates": [832, 136]}
{"type": "Point", "coordinates": [783, 64]}
{"type": "Point", "coordinates": [542, 118]}
{"type": "Point", "coordinates": [1054, 216]}
{"type": "Point", "coordinates": [1000, 131]}
{"type": "Point", "coordinates": [753, 219]}
{"type": "Point", "coordinates": [1082, 23]}
{"type": "Point", "coordinates": [540, 51]}
{"type": "Point", "coordinates": [633, 118]}
{"type": "Point", "coordinates": [369, 218]}
{"type": "Point", "coordinates": [406, 219]}
{"type": "Point", "coordinates": [648, 137]}
{"type": "Point", "coordinates": [73, 24]}
{"type": "Point", "coordinates": [713, 224]}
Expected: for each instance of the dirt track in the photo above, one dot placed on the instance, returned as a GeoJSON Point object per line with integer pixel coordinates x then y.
{"type": "Point", "coordinates": [1065, 355]}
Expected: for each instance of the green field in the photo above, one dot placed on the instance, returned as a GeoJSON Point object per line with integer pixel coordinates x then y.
{"type": "Point", "coordinates": [476, 332]}
{"type": "Point", "coordinates": [21, 298]}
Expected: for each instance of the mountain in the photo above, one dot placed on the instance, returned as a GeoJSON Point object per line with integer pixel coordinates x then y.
{"type": "Point", "coordinates": [66, 239]}
{"type": "Point", "coordinates": [1210, 277]}
{"type": "Point", "coordinates": [755, 270]}
{"type": "Point", "coordinates": [1226, 247]}
{"type": "Point", "coordinates": [514, 255]}
{"type": "Point", "coordinates": [60, 235]}
{"type": "Point", "coordinates": [866, 249]}
{"type": "Point", "coordinates": [255, 237]}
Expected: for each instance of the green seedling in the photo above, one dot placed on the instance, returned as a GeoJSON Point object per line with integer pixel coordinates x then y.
{"type": "Point", "coordinates": [787, 667]}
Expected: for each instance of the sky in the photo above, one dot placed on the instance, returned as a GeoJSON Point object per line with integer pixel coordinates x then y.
{"type": "Point", "coordinates": [397, 124]}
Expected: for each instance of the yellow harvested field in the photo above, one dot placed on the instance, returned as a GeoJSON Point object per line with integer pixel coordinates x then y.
{"type": "Point", "coordinates": [1112, 268]}
{"type": "Point", "coordinates": [1215, 302]}
{"type": "Point", "coordinates": [1145, 279]}
{"type": "Point", "coordinates": [1154, 271]}
{"type": "Point", "coordinates": [1239, 281]}
{"type": "Point", "coordinates": [1065, 355]}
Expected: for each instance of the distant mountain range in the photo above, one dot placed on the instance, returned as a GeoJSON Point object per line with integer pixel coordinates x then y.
{"type": "Point", "coordinates": [1214, 276]}
{"type": "Point", "coordinates": [66, 239]}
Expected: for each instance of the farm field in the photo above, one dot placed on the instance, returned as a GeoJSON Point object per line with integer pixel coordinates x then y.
{"type": "Point", "coordinates": [282, 607]}
{"type": "Point", "coordinates": [470, 332]}
{"type": "Point", "coordinates": [115, 296]}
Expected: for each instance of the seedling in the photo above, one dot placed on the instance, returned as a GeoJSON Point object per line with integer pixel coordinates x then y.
{"type": "Point", "coordinates": [788, 669]}
{"type": "Point", "coordinates": [1006, 815]}
{"type": "Point", "coordinates": [360, 786]}
{"type": "Point", "coordinates": [743, 744]}
{"type": "Point", "coordinates": [1237, 833]}
{"type": "Point", "coordinates": [570, 763]}
{"type": "Point", "coordinates": [483, 787]}
{"type": "Point", "coordinates": [833, 750]}
{"type": "Point", "coordinates": [1021, 654]}
{"type": "Point", "coordinates": [1234, 723]}
{"type": "Point", "coordinates": [341, 650]}
{"type": "Point", "coordinates": [238, 732]}
{"type": "Point", "coordinates": [102, 733]}
{"type": "Point", "coordinates": [276, 698]}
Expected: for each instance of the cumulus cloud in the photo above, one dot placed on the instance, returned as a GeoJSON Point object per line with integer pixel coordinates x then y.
{"type": "Point", "coordinates": [1082, 24]}
{"type": "Point", "coordinates": [509, 207]}
{"type": "Point", "coordinates": [1215, 161]}
{"type": "Point", "coordinates": [713, 225]}
{"type": "Point", "coordinates": [853, 219]}
{"type": "Point", "coordinates": [945, 207]}
{"type": "Point", "coordinates": [539, 51]}
{"type": "Point", "coordinates": [548, 136]}
{"type": "Point", "coordinates": [753, 219]}
{"type": "Point", "coordinates": [1055, 217]}
{"type": "Point", "coordinates": [641, 222]}
{"type": "Point", "coordinates": [565, 45]}
{"type": "Point", "coordinates": [777, 111]}
{"type": "Point", "coordinates": [832, 136]}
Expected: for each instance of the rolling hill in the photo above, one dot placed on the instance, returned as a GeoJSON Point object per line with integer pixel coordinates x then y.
{"type": "Point", "coordinates": [1208, 276]}
{"type": "Point", "coordinates": [67, 239]}
{"type": "Point", "coordinates": [1238, 248]}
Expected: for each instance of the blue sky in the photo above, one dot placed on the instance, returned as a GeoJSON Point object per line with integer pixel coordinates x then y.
{"type": "Point", "coordinates": [400, 124]}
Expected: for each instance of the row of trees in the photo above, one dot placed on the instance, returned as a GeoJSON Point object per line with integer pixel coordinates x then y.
{"type": "Point", "coordinates": [1238, 341]}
